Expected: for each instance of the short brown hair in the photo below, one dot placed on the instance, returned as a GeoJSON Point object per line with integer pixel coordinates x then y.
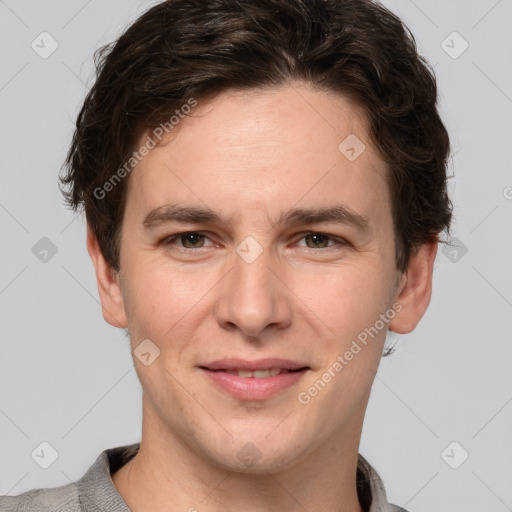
{"type": "Point", "coordinates": [182, 49]}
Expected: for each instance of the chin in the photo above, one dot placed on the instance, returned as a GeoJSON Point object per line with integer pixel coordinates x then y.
{"type": "Point", "coordinates": [256, 456]}
{"type": "Point", "coordinates": [254, 466]}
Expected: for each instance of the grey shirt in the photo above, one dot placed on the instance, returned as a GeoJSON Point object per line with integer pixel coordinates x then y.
{"type": "Point", "coordinates": [95, 491]}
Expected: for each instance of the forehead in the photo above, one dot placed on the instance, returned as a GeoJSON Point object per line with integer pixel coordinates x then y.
{"type": "Point", "coordinates": [266, 118]}
{"type": "Point", "coordinates": [264, 149]}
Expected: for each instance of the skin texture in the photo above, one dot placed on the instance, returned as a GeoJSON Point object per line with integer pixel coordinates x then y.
{"type": "Point", "coordinates": [250, 156]}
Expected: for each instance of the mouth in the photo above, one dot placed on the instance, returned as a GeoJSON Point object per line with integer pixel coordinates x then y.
{"type": "Point", "coordinates": [256, 374]}
{"type": "Point", "coordinates": [259, 374]}
{"type": "Point", "coordinates": [254, 380]}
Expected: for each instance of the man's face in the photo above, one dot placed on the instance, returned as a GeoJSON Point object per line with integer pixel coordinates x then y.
{"type": "Point", "coordinates": [253, 288]}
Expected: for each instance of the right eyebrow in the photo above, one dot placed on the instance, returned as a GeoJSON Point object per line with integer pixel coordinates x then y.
{"type": "Point", "coordinates": [176, 213]}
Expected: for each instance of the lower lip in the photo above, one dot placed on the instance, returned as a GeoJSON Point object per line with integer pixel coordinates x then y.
{"type": "Point", "coordinates": [250, 388]}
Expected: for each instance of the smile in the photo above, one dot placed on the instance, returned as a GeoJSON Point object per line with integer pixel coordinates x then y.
{"type": "Point", "coordinates": [257, 374]}
{"type": "Point", "coordinates": [254, 380]}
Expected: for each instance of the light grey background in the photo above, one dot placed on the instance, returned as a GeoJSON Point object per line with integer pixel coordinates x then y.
{"type": "Point", "coordinates": [67, 378]}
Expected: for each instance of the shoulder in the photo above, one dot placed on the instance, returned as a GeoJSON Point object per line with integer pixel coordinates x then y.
{"type": "Point", "coordinates": [94, 492]}
{"type": "Point", "coordinates": [371, 491]}
{"type": "Point", "coordinates": [57, 499]}
{"type": "Point", "coordinates": [396, 508]}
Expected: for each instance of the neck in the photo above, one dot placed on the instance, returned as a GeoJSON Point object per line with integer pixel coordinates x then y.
{"type": "Point", "coordinates": [168, 474]}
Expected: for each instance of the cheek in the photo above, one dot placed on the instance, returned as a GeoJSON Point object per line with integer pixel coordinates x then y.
{"type": "Point", "coordinates": [160, 298]}
{"type": "Point", "coordinates": [346, 300]}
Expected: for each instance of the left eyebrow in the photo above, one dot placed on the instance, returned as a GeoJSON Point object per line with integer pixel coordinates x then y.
{"type": "Point", "coordinates": [339, 214]}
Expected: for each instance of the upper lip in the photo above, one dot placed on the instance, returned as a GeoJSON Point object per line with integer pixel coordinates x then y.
{"type": "Point", "coordinates": [260, 364]}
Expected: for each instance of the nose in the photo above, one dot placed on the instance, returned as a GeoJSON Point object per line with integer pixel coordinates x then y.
{"type": "Point", "coordinates": [254, 297]}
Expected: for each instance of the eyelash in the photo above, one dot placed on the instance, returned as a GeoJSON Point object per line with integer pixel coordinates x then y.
{"type": "Point", "coordinates": [168, 241]}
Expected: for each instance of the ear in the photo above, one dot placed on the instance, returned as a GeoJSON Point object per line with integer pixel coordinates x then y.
{"type": "Point", "coordinates": [109, 289]}
{"type": "Point", "coordinates": [415, 289]}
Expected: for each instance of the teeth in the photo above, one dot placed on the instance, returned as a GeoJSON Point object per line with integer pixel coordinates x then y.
{"type": "Point", "coordinates": [261, 374]}
{"type": "Point", "coordinates": [258, 374]}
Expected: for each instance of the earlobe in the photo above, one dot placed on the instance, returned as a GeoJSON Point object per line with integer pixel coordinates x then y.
{"type": "Point", "coordinates": [109, 289]}
{"type": "Point", "coordinates": [415, 289]}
